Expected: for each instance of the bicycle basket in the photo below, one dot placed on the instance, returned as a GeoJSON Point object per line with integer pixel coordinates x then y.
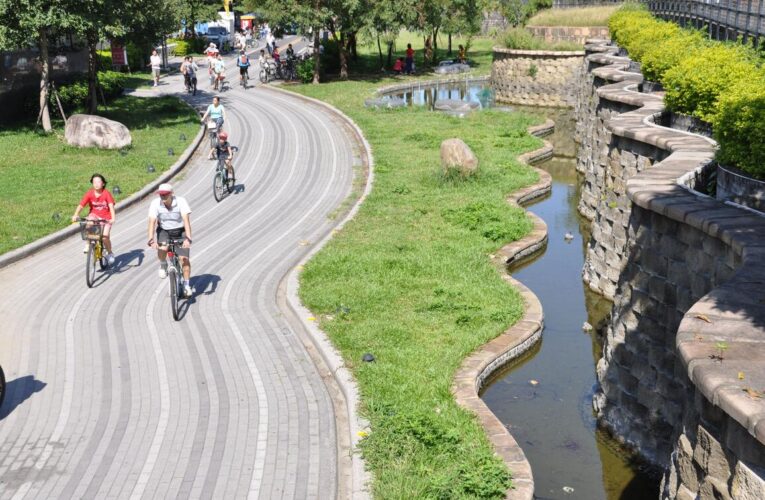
{"type": "Point", "coordinates": [90, 230]}
{"type": "Point", "coordinates": [211, 125]}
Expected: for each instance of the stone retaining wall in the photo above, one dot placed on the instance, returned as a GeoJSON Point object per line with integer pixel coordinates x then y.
{"type": "Point", "coordinates": [687, 276]}
{"type": "Point", "coordinates": [739, 187]}
{"type": "Point", "coordinates": [573, 34]}
{"type": "Point", "coordinates": [535, 77]}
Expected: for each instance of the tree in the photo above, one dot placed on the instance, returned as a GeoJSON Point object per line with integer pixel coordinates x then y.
{"type": "Point", "coordinates": [35, 22]}
{"type": "Point", "coordinates": [193, 11]}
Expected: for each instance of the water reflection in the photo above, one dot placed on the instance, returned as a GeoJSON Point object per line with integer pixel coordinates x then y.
{"type": "Point", "coordinates": [552, 419]}
{"type": "Point", "coordinates": [479, 91]}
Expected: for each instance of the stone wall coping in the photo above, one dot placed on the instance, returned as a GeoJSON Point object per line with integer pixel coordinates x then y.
{"type": "Point", "coordinates": [517, 339]}
{"type": "Point", "coordinates": [539, 53]}
{"type": "Point", "coordinates": [732, 315]}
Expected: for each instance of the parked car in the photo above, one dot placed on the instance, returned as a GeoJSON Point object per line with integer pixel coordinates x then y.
{"type": "Point", "coordinates": [219, 36]}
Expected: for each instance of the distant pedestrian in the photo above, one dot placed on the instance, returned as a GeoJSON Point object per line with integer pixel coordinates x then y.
{"type": "Point", "coordinates": [270, 43]}
{"type": "Point", "coordinates": [156, 65]}
{"type": "Point", "coordinates": [409, 69]}
{"type": "Point", "coordinates": [398, 66]}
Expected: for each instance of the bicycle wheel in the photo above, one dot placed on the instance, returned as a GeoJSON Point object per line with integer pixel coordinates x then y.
{"type": "Point", "coordinates": [218, 185]}
{"type": "Point", "coordinates": [103, 264]}
{"type": "Point", "coordinates": [172, 275]}
{"type": "Point", "coordinates": [2, 386]}
{"type": "Point", "coordinates": [263, 76]}
{"type": "Point", "coordinates": [213, 139]}
{"type": "Point", "coordinates": [90, 266]}
{"type": "Point", "coordinates": [231, 180]}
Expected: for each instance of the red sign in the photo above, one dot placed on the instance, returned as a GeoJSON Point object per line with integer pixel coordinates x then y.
{"type": "Point", "coordinates": [119, 55]}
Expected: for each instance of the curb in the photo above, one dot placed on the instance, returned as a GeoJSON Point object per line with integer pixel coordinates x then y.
{"type": "Point", "coordinates": [355, 479]}
{"type": "Point", "coordinates": [519, 338]}
{"type": "Point", "coordinates": [31, 248]}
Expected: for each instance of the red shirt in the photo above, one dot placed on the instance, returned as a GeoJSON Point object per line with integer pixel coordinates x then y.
{"type": "Point", "coordinates": [99, 205]}
{"type": "Point", "coordinates": [410, 53]}
{"type": "Point", "coordinates": [398, 66]}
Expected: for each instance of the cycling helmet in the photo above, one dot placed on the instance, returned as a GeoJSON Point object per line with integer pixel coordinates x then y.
{"type": "Point", "coordinates": [223, 136]}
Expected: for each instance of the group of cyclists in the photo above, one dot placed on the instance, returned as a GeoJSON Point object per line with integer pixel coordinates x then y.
{"type": "Point", "coordinates": [168, 216]}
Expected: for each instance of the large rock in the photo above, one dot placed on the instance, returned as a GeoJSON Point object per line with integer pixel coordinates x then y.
{"type": "Point", "coordinates": [456, 155]}
{"type": "Point", "coordinates": [87, 131]}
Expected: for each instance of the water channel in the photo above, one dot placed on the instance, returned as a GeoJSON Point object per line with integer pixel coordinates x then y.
{"type": "Point", "coordinates": [545, 397]}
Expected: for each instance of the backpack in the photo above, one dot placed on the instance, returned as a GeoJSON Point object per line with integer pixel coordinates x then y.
{"type": "Point", "coordinates": [243, 60]}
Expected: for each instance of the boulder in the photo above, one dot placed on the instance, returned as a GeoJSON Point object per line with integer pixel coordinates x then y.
{"type": "Point", "coordinates": [87, 131]}
{"type": "Point", "coordinates": [456, 155]}
{"type": "Point", "coordinates": [451, 69]}
{"type": "Point", "coordinates": [385, 102]}
{"type": "Point", "coordinates": [456, 107]}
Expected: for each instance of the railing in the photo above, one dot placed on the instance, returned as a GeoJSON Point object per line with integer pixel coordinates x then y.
{"type": "Point", "coordinates": [562, 4]}
{"type": "Point", "coordinates": [723, 19]}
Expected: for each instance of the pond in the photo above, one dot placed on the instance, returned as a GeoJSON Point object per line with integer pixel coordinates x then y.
{"type": "Point", "coordinates": [475, 90]}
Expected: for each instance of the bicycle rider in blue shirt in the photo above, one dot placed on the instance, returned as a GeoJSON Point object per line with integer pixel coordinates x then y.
{"type": "Point", "coordinates": [244, 64]}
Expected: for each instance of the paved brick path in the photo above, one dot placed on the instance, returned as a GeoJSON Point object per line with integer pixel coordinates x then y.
{"type": "Point", "coordinates": [108, 397]}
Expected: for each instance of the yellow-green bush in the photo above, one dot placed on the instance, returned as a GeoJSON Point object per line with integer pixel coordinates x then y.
{"type": "Point", "coordinates": [739, 125]}
{"type": "Point", "coordinates": [695, 84]}
{"type": "Point", "coordinates": [660, 57]}
{"type": "Point", "coordinates": [721, 83]}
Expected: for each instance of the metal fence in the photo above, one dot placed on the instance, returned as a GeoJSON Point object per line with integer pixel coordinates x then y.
{"type": "Point", "coordinates": [723, 19]}
{"type": "Point", "coordinates": [562, 4]}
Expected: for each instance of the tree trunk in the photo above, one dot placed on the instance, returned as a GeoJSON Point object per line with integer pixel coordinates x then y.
{"type": "Point", "coordinates": [390, 53]}
{"type": "Point", "coordinates": [92, 37]}
{"type": "Point", "coordinates": [44, 79]}
{"type": "Point", "coordinates": [450, 44]}
{"type": "Point", "coordinates": [379, 50]}
{"type": "Point", "coordinates": [316, 55]}
{"type": "Point", "coordinates": [352, 46]}
{"type": "Point", "coordinates": [435, 45]}
{"type": "Point", "coordinates": [343, 57]}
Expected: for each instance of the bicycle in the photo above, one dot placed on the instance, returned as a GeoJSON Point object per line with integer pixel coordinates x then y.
{"type": "Point", "coordinates": [175, 277]}
{"type": "Point", "coordinates": [243, 80]}
{"type": "Point", "coordinates": [212, 131]}
{"type": "Point", "coordinates": [268, 72]}
{"type": "Point", "coordinates": [92, 231]}
{"type": "Point", "coordinates": [191, 84]}
{"type": "Point", "coordinates": [221, 179]}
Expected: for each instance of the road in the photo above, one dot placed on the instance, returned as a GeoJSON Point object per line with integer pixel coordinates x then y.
{"type": "Point", "coordinates": [109, 397]}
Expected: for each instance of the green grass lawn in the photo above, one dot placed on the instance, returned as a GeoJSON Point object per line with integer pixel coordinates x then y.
{"type": "Point", "coordinates": [41, 175]}
{"type": "Point", "coordinates": [581, 16]}
{"type": "Point", "coordinates": [409, 280]}
{"type": "Point", "coordinates": [368, 63]}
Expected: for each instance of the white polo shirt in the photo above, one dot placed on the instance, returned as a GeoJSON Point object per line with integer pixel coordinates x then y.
{"type": "Point", "coordinates": [169, 218]}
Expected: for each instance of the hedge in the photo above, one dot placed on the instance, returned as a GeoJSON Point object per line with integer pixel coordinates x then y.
{"type": "Point", "coordinates": [74, 95]}
{"type": "Point", "coordinates": [186, 46]}
{"type": "Point", "coordinates": [718, 82]}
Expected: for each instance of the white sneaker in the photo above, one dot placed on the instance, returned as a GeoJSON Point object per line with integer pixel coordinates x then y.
{"type": "Point", "coordinates": [86, 248]}
{"type": "Point", "coordinates": [110, 259]}
{"type": "Point", "coordinates": [162, 273]}
{"type": "Point", "coordinates": [187, 290]}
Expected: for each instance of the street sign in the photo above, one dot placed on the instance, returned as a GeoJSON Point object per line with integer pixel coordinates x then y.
{"type": "Point", "coordinates": [119, 55]}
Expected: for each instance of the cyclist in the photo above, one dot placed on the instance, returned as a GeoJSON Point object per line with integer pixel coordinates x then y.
{"type": "Point", "coordinates": [217, 113]}
{"type": "Point", "coordinates": [211, 52]}
{"type": "Point", "coordinates": [277, 57]}
{"type": "Point", "coordinates": [220, 72]}
{"type": "Point", "coordinates": [169, 218]}
{"type": "Point", "coordinates": [244, 64]}
{"type": "Point", "coordinates": [101, 205]}
{"type": "Point", "coordinates": [262, 59]}
{"type": "Point", "coordinates": [224, 150]}
{"type": "Point", "coordinates": [290, 51]}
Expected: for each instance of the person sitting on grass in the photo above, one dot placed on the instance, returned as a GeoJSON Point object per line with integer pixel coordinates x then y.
{"type": "Point", "coordinates": [461, 55]}
{"type": "Point", "coordinates": [398, 66]}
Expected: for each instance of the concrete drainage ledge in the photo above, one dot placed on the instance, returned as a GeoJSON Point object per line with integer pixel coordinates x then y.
{"type": "Point", "coordinates": [60, 235]}
{"type": "Point", "coordinates": [516, 340]}
{"type": "Point", "coordinates": [728, 422]}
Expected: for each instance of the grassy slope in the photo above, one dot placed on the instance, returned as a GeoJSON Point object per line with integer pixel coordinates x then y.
{"type": "Point", "coordinates": [580, 16]}
{"type": "Point", "coordinates": [41, 175]}
{"type": "Point", "coordinates": [409, 280]}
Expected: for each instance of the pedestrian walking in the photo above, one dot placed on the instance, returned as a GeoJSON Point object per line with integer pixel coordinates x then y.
{"type": "Point", "coordinates": [156, 65]}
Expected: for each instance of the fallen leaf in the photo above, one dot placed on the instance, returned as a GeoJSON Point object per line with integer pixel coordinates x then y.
{"type": "Point", "coordinates": [311, 318]}
{"type": "Point", "coordinates": [752, 393]}
{"type": "Point", "coordinates": [703, 317]}
{"type": "Point", "coordinates": [741, 375]}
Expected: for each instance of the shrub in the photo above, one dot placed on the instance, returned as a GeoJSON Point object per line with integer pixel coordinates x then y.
{"type": "Point", "coordinates": [186, 46]}
{"type": "Point", "coordinates": [694, 85]}
{"type": "Point", "coordinates": [305, 70]}
{"type": "Point", "coordinates": [739, 125]}
{"type": "Point", "coordinates": [658, 58]}
{"type": "Point", "coordinates": [74, 95]}
{"type": "Point", "coordinates": [104, 60]}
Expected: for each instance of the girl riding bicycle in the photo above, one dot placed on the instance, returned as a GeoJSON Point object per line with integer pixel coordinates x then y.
{"type": "Point", "coordinates": [101, 204]}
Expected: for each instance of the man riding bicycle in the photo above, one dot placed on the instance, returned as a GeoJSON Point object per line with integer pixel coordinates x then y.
{"type": "Point", "coordinates": [223, 150]}
{"type": "Point", "coordinates": [169, 219]}
{"type": "Point", "coordinates": [219, 70]}
{"type": "Point", "coordinates": [244, 65]}
{"type": "Point", "coordinates": [217, 113]}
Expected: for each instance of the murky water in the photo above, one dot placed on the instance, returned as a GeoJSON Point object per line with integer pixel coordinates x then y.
{"type": "Point", "coordinates": [545, 398]}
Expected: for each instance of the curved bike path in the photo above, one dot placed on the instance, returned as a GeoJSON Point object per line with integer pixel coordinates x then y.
{"type": "Point", "coordinates": [109, 397]}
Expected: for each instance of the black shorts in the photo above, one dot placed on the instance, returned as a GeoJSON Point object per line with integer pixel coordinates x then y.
{"type": "Point", "coordinates": [164, 235]}
{"type": "Point", "coordinates": [243, 70]}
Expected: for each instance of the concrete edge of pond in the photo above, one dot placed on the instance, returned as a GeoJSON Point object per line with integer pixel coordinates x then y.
{"type": "Point", "coordinates": [729, 318]}
{"type": "Point", "coordinates": [519, 338]}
